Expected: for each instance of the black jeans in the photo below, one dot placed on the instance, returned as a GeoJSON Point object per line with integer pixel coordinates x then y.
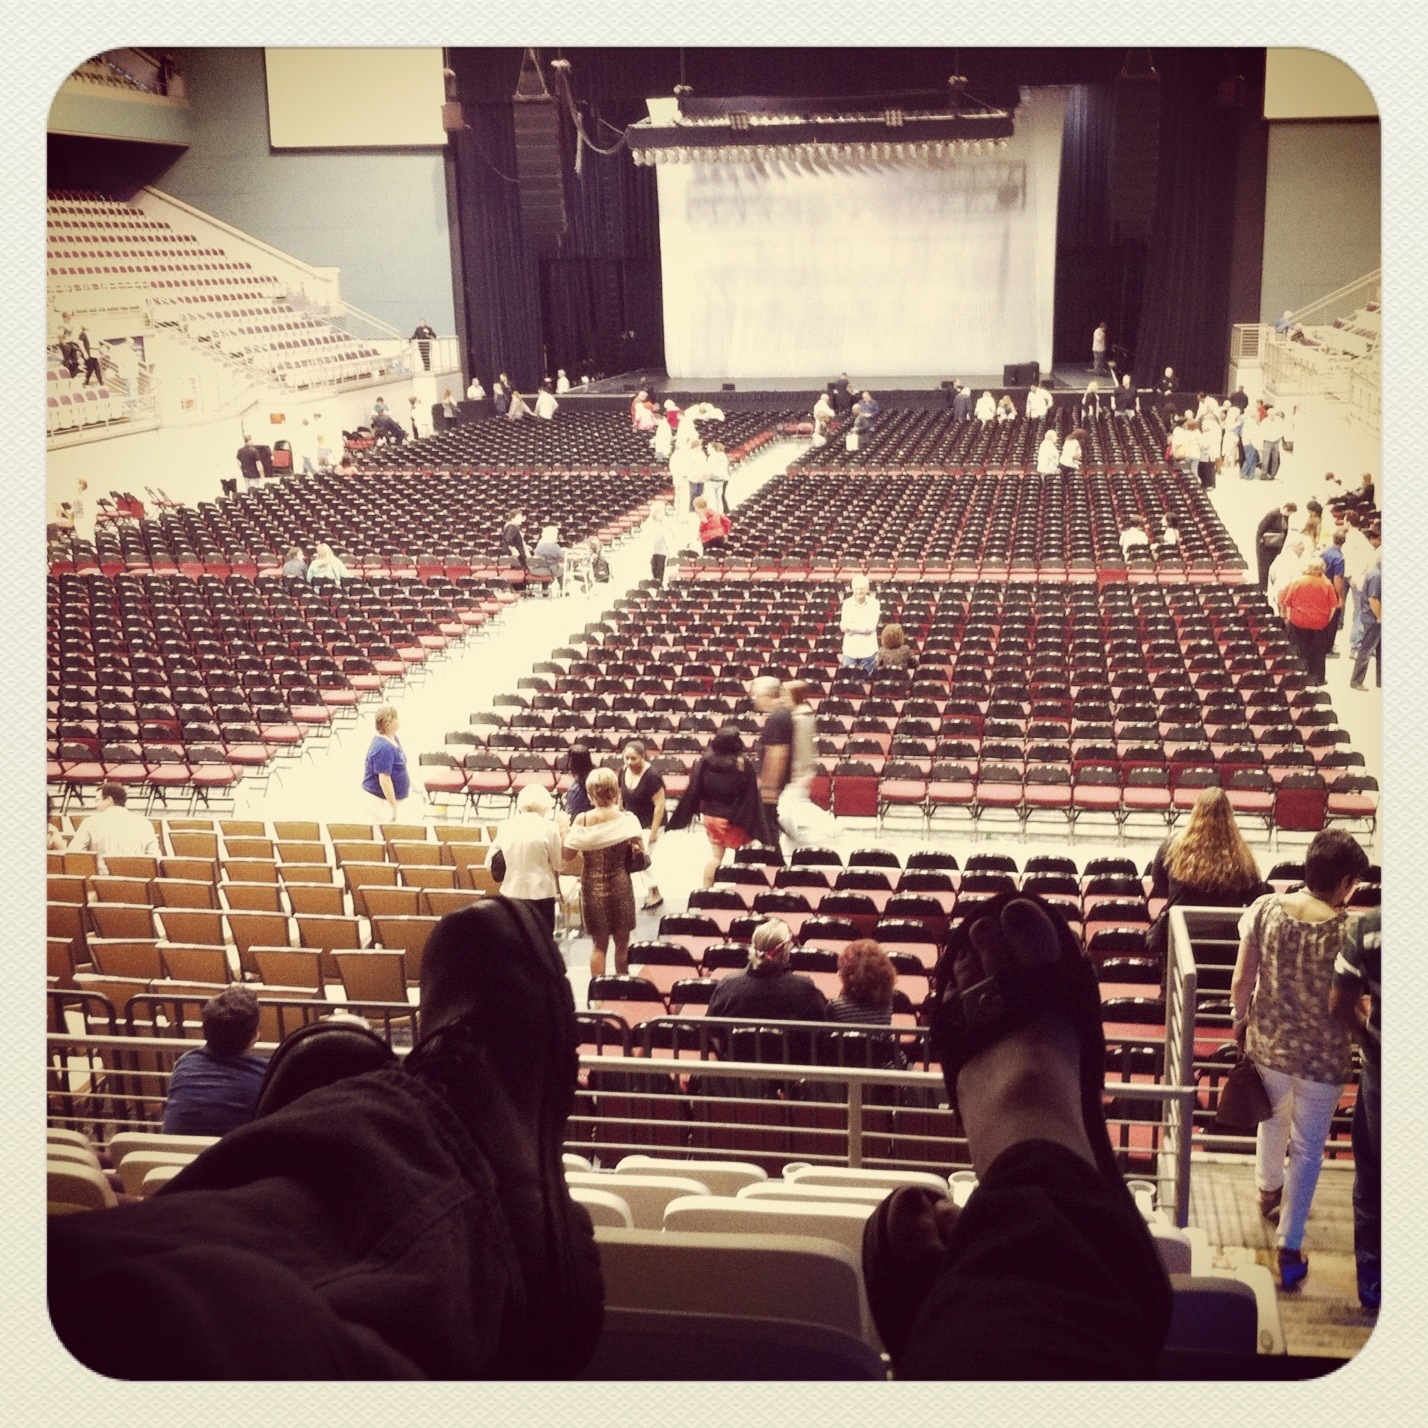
{"type": "Point", "coordinates": [1051, 1273]}
{"type": "Point", "coordinates": [354, 1234]}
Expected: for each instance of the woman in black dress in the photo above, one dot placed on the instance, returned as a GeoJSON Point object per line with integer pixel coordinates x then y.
{"type": "Point", "coordinates": [642, 792]}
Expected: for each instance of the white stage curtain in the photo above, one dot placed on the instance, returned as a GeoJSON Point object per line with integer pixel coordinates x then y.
{"type": "Point", "coordinates": [904, 266]}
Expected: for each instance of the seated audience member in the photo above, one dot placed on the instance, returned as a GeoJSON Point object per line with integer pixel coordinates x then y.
{"type": "Point", "coordinates": [513, 538]}
{"type": "Point", "coordinates": [986, 408]}
{"type": "Point", "coordinates": [894, 652]}
{"type": "Point", "coordinates": [768, 988]}
{"type": "Point", "coordinates": [215, 1086]}
{"type": "Point", "coordinates": [562, 382]}
{"type": "Point", "coordinates": [549, 553]}
{"type": "Point", "coordinates": [516, 407]}
{"type": "Point", "coordinates": [714, 526]}
{"type": "Point", "coordinates": [115, 828]}
{"type": "Point", "coordinates": [868, 978]}
{"type": "Point", "coordinates": [1169, 536]}
{"type": "Point", "coordinates": [347, 466]}
{"type": "Point", "coordinates": [599, 566]}
{"type": "Point", "coordinates": [294, 564]}
{"type": "Point", "coordinates": [1135, 534]}
{"type": "Point", "coordinates": [326, 565]}
{"type": "Point", "coordinates": [546, 405]}
{"type": "Point", "coordinates": [1006, 409]}
{"type": "Point", "coordinates": [1207, 863]}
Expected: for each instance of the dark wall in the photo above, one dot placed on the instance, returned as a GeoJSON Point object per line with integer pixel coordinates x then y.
{"type": "Point", "coordinates": [596, 305]}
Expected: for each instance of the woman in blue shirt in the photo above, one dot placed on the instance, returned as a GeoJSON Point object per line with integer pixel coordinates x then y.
{"type": "Point", "coordinates": [385, 775]}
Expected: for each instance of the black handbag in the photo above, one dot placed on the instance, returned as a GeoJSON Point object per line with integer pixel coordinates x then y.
{"type": "Point", "coordinates": [637, 858]}
{"type": "Point", "coordinates": [497, 865]}
{"type": "Point", "coordinates": [1243, 1102]}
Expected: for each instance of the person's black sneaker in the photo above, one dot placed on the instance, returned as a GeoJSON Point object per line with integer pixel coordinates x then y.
{"type": "Point", "coordinates": [498, 1043]}
{"type": "Point", "coordinates": [317, 1055]}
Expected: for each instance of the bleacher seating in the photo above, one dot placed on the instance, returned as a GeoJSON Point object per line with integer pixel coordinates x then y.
{"type": "Point", "coordinates": [104, 255]}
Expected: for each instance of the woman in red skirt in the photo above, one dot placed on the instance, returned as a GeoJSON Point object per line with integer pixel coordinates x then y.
{"type": "Point", "coordinates": [724, 788]}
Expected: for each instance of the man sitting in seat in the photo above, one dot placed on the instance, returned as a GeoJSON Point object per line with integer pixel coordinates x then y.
{"type": "Point", "coordinates": [768, 988]}
{"type": "Point", "coordinates": [215, 1086]}
{"type": "Point", "coordinates": [115, 828]}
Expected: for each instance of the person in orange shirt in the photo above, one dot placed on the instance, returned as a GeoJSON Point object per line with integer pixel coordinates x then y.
{"type": "Point", "coordinates": [1308, 603]}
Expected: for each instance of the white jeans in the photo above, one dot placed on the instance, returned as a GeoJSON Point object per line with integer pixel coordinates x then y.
{"type": "Point", "coordinates": [802, 821]}
{"type": "Point", "coordinates": [1299, 1123]}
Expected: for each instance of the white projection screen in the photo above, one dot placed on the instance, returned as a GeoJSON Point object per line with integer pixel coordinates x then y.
{"type": "Point", "coordinates": [354, 99]}
{"type": "Point", "coordinates": [913, 267]}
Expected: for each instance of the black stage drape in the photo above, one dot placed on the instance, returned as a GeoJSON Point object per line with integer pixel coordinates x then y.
{"type": "Point", "coordinates": [596, 304]}
{"type": "Point", "coordinates": [1185, 311]}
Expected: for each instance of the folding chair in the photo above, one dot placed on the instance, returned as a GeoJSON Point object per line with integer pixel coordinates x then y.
{"type": "Point", "coordinates": [372, 976]}
{"type": "Point", "coordinates": [195, 964]}
{"type": "Point", "coordinates": [288, 966]}
{"type": "Point", "coordinates": [407, 934]}
{"type": "Point", "coordinates": [133, 921]}
{"type": "Point", "coordinates": [126, 957]}
{"type": "Point", "coordinates": [257, 929]}
{"type": "Point", "coordinates": [184, 892]}
{"type": "Point", "coordinates": [317, 899]}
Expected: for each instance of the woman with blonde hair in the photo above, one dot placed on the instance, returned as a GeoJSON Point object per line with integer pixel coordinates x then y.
{"type": "Point", "coordinates": [326, 565]}
{"type": "Point", "coordinates": [1206, 864]}
{"type": "Point", "coordinates": [606, 838]}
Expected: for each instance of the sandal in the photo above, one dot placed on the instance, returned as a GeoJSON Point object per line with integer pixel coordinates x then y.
{"type": "Point", "coordinates": [649, 904]}
{"type": "Point", "coordinates": [904, 1241]}
{"type": "Point", "coordinates": [1020, 961]}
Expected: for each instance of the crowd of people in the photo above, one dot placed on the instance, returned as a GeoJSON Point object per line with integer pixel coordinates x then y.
{"type": "Point", "coordinates": [1316, 571]}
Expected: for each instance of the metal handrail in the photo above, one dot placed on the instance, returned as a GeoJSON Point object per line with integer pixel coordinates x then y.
{"type": "Point", "coordinates": [142, 1085]}
{"type": "Point", "coordinates": [1368, 288]}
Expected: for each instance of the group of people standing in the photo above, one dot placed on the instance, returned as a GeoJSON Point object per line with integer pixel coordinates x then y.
{"type": "Point", "coordinates": [602, 832]}
{"type": "Point", "coordinates": [1312, 571]}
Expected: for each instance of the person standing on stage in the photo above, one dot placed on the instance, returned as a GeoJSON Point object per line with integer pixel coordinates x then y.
{"type": "Point", "coordinates": [1098, 348]}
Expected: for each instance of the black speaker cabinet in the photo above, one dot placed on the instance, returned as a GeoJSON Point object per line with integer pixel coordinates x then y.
{"type": "Point", "coordinates": [726, 387]}
{"type": "Point", "coordinates": [1021, 374]}
{"type": "Point", "coordinates": [538, 168]}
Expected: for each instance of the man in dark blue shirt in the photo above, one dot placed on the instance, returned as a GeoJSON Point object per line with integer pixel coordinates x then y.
{"type": "Point", "coordinates": [215, 1086]}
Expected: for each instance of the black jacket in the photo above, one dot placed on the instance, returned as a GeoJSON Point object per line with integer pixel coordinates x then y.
{"type": "Point", "coordinates": [727, 787]}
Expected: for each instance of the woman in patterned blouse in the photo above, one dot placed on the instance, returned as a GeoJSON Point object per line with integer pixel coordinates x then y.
{"type": "Point", "coordinates": [1280, 994]}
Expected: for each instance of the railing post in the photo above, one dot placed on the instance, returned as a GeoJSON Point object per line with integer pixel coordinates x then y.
{"type": "Point", "coordinates": [855, 1123]}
